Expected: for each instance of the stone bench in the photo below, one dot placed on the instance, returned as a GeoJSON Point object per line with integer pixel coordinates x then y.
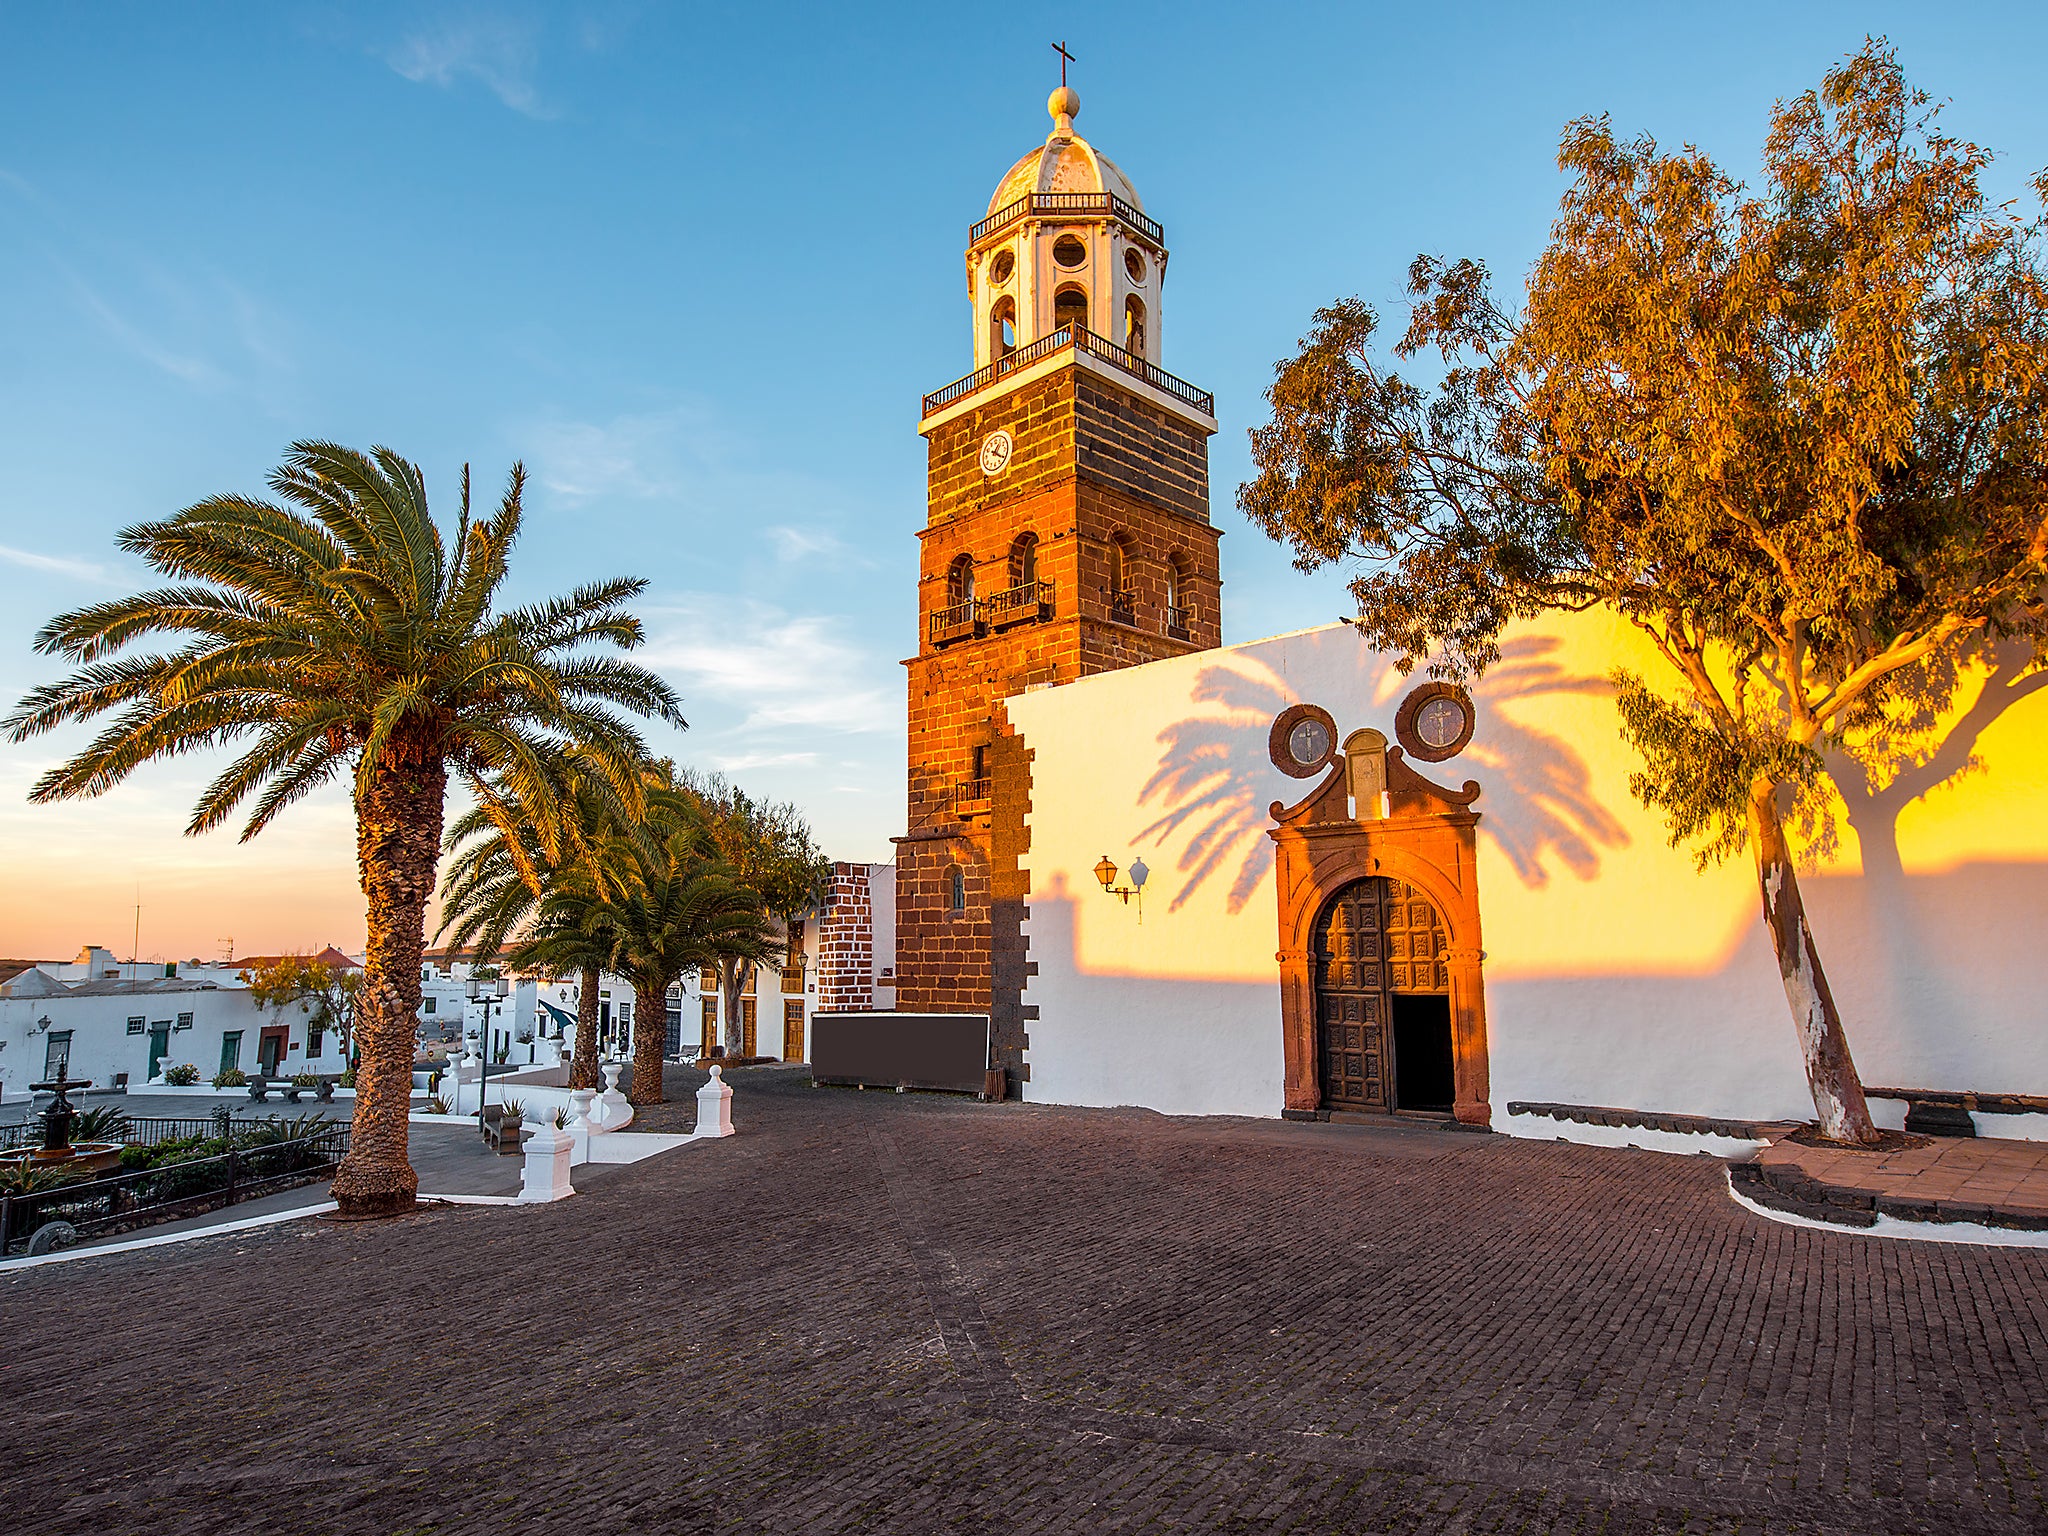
{"type": "Point", "coordinates": [1946, 1111]}
{"type": "Point", "coordinates": [261, 1086]}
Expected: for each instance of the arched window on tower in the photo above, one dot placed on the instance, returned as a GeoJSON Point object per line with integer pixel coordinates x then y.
{"type": "Point", "coordinates": [1070, 307]}
{"type": "Point", "coordinates": [1024, 560]}
{"type": "Point", "coordinates": [1177, 606]}
{"type": "Point", "coordinates": [960, 580]}
{"type": "Point", "coordinates": [1121, 606]}
{"type": "Point", "coordinates": [956, 888]}
{"type": "Point", "coordinates": [1002, 329]}
{"type": "Point", "coordinates": [1134, 325]}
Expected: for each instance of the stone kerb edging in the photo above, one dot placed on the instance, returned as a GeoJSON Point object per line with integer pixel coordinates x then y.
{"type": "Point", "coordinates": [1880, 1225]}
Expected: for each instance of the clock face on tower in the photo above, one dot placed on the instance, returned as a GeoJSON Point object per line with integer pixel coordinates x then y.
{"type": "Point", "coordinates": [996, 449]}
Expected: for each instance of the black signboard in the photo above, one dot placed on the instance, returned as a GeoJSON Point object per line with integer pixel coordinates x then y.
{"type": "Point", "coordinates": [901, 1050]}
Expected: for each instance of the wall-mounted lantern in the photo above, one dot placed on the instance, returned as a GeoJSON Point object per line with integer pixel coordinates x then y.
{"type": "Point", "coordinates": [1105, 871]}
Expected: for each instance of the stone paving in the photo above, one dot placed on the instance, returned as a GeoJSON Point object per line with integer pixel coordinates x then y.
{"type": "Point", "coordinates": [908, 1314]}
{"type": "Point", "coordinates": [1942, 1178]}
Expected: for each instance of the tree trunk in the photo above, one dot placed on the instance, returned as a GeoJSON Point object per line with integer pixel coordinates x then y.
{"type": "Point", "coordinates": [650, 1034]}
{"type": "Point", "coordinates": [398, 846]}
{"type": "Point", "coordinates": [1830, 1073]}
{"type": "Point", "coordinates": [583, 1071]}
{"type": "Point", "coordinates": [735, 1027]}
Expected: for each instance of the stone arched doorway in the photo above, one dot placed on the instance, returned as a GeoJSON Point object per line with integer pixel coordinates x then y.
{"type": "Point", "coordinates": [1382, 1000]}
{"type": "Point", "coordinates": [1399, 868]}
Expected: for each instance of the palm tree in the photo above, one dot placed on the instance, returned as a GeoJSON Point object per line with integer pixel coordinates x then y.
{"type": "Point", "coordinates": [507, 856]}
{"type": "Point", "coordinates": [336, 628]}
{"type": "Point", "coordinates": [660, 902]}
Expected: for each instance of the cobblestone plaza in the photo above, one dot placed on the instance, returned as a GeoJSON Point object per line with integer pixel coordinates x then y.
{"type": "Point", "coordinates": [873, 1312]}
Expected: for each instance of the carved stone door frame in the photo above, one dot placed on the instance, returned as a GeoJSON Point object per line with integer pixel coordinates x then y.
{"type": "Point", "coordinates": [1429, 840]}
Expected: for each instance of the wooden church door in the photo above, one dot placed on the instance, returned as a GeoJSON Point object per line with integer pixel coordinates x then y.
{"type": "Point", "coordinates": [1351, 1003]}
{"type": "Point", "coordinates": [1382, 999]}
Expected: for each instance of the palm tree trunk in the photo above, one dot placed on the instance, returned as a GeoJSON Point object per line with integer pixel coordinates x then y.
{"type": "Point", "coordinates": [650, 1032]}
{"type": "Point", "coordinates": [398, 846]}
{"type": "Point", "coordinates": [1830, 1073]}
{"type": "Point", "coordinates": [735, 1027]}
{"type": "Point", "coordinates": [583, 1065]}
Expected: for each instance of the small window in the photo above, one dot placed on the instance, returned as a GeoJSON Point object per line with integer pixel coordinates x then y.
{"type": "Point", "coordinates": [980, 762]}
{"type": "Point", "coordinates": [316, 1043]}
{"type": "Point", "coordinates": [957, 881]}
{"type": "Point", "coordinates": [1134, 324]}
{"type": "Point", "coordinates": [428, 1004]}
{"type": "Point", "coordinates": [184, 1021]}
{"type": "Point", "coordinates": [1070, 307]}
{"type": "Point", "coordinates": [1176, 582]}
{"type": "Point", "coordinates": [1068, 251]}
{"type": "Point", "coordinates": [625, 1013]}
{"type": "Point", "coordinates": [1134, 264]}
{"type": "Point", "coordinates": [230, 1050]}
{"type": "Point", "coordinates": [1119, 566]}
{"type": "Point", "coordinates": [57, 1054]}
{"type": "Point", "coordinates": [1002, 266]}
{"type": "Point", "coordinates": [1024, 560]}
{"type": "Point", "coordinates": [137, 1024]}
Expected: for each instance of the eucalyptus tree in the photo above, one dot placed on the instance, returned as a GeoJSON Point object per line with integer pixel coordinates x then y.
{"type": "Point", "coordinates": [1797, 435]}
{"type": "Point", "coordinates": [337, 634]}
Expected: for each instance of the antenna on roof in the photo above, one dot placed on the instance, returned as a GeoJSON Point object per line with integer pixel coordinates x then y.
{"type": "Point", "coordinates": [227, 950]}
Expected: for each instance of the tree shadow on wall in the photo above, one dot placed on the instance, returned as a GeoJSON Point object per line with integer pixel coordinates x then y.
{"type": "Point", "coordinates": [1214, 783]}
{"type": "Point", "coordinates": [1536, 792]}
{"type": "Point", "coordinates": [1213, 779]}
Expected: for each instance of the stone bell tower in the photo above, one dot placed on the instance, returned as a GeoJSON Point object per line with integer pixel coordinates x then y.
{"type": "Point", "coordinates": [1067, 534]}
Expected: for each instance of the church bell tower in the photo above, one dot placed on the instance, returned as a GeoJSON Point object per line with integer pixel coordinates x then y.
{"type": "Point", "coordinates": [1067, 534]}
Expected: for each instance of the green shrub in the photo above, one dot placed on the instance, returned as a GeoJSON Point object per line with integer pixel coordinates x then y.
{"type": "Point", "coordinates": [183, 1076]}
{"type": "Point", "coordinates": [230, 1077]}
{"type": "Point", "coordinates": [305, 1080]}
{"type": "Point", "coordinates": [103, 1122]}
{"type": "Point", "coordinates": [22, 1176]}
{"type": "Point", "coordinates": [515, 1109]}
{"type": "Point", "coordinates": [348, 1079]}
{"type": "Point", "coordinates": [438, 1106]}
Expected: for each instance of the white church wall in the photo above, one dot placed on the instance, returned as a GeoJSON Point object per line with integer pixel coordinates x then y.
{"type": "Point", "coordinates": [1616, 973]}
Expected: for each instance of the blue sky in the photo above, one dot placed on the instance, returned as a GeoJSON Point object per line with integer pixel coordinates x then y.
{"type": "Point", "coordinates": [696, 265]}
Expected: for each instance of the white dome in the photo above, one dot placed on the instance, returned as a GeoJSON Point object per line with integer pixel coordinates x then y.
{"type": "Point", "coordinates": [1065, 162]}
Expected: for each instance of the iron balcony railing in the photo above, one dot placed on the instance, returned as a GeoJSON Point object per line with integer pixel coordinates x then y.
{"type": "Point", "coordinates": [1081, 204]}
{"type": "Point", "coordinates": [1081, 339]}
{"type": "Point", "coordinates": [960, 619]}
{"type": "Point", "coordinates": [1123, 606]}
{"type": "Point", "coordinates": [969, 791]}
{"type": "Point", "coordinates": [1029, 600]}
{"type": "Point", "coordinates": [1179, 621]}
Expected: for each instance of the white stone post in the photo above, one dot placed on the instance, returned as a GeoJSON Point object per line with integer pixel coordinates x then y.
{"type": "Point", "coordinates": [580, 1126]}
{"type": "Point", "coordinates": [614, 1113]}
{"type": "Point", "coordinates": [545, 1175]}
{"type": "Point", "coordinates": [714, 1106]}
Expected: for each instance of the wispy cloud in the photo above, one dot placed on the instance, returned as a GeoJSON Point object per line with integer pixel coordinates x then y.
{"type": "Point", "coordinates": [643, 457]}
{"type": "Point", "coordinates": [180, 365]}
{"type": "Point", "coordinates": [784, 670]}
{"type": "Point", "coordinates": [497, 51]}
{"type": "Point", "coordinates": [58, 565]}
{"type": "Point", "coordinates": [794, 544]}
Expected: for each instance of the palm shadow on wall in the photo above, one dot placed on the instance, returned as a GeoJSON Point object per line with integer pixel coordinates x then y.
{"type": "Point", "coordinates": [1214, 786]}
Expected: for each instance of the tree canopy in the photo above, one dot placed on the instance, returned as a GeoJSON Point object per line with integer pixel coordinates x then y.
{"type": "Point", "coordinates": [1795, 433]}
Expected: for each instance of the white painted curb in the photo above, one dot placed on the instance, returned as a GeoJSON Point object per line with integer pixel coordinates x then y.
{"type": "Point", "coordinates": [1971, 1232]}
